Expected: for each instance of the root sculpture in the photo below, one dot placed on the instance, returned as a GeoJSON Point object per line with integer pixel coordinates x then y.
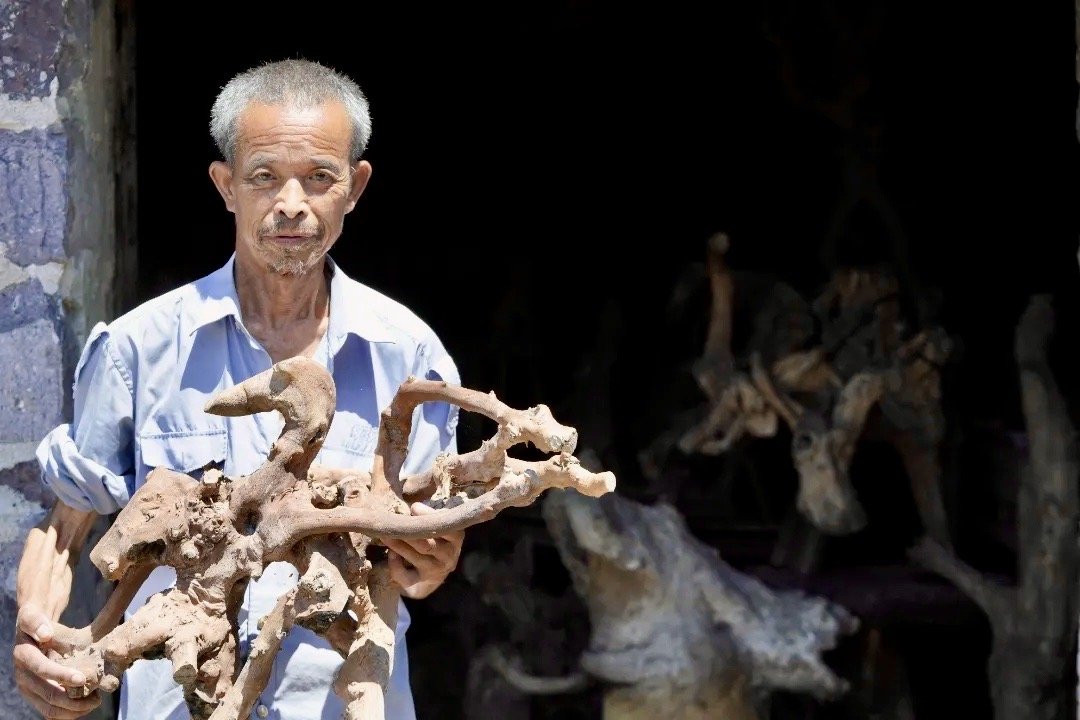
{"type": "Point", "coordinates": [827, 389]}
{"type": "Point", "coordinates": [218, 532]}
{"type": "Point", "coordinates": [676, 632]}
{"type": "Point", "coordinates": [1034, 619]}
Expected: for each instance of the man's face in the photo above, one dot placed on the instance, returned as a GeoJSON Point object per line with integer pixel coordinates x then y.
{"type": "Point", "coordinates": [290, 184]}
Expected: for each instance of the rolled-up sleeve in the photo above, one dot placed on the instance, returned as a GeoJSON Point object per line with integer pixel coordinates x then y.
{"type": "Point", "coordinates": [89, 463]}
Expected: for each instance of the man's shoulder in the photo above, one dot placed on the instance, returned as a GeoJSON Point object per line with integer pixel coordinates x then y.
{"type": "Point", "coordinates": [163, 305]}
{"type": "Point", "coordinates": [396, 322]}
{"type": "Point", "coordinates": [399, 319]}
{"type": "Point", "coordinates": [160, 316]}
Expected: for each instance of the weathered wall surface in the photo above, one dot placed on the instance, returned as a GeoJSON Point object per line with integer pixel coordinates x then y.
{"type": "Point", "coordinates": [57, 250]}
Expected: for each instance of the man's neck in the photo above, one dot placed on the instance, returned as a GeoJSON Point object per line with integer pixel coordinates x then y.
{"type": "Point", "coordinates": [288, 314]}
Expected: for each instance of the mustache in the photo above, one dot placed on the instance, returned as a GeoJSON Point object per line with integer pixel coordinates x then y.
{"type": "Point", "coordinates": [286, 228]}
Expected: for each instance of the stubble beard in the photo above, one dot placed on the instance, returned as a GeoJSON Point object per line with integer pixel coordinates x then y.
{"type": "Point", "coordinates": [285, 265]}
{"type": "Point", "coordinates": [294, 261]}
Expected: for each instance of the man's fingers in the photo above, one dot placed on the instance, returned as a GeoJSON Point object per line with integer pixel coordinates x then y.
{"type": "Point", "coordinates": [446, 552]}
{"type": "Point", "coordinates": [443, 549]}
{"type": "Point", "coordinates": [456, 536]}
{"type": "Point", "coordinates": [53, 696]}
{"type": "Point", "coordinates": [393, 543]}
{"type": "Point", "coordinates": [402, 574]}
{"type": "Point", "coordinates": [432, 559]}
{"type": "Point", "coordinates": [58, 697]}
{"type": "Point", "coordinates": [47, 711]}
{"type": "Point", "coordinates": [35, 623]}
{"type": "Point", "coordinates": [41, 680]}
{"type": "Point", "coordinates": [30, 658]}
{"type": "Point", "coordinates": [53, 712]}
{"type": "Point", "coordinates": [424, 546]}
{"type": "Point", "coordinates": [419, 560]}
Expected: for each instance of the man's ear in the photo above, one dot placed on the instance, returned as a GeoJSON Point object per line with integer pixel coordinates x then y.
{"type": "Point", "coordinates": [361, 173]}
{"type": "Point", "coordinates": [221, 173]}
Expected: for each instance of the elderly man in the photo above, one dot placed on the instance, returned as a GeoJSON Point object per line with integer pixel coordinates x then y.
{"type": "Point", "coordinates": [292, 134]}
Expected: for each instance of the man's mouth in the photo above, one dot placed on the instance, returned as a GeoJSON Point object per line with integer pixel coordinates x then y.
{"type": "Point", "coordinates": [289, 239]}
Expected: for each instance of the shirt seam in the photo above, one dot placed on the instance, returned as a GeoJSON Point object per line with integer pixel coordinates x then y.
{"type": "Point", "coordinates": [180, 434]}
{"type": "Point", "coordinates": [118, 364]}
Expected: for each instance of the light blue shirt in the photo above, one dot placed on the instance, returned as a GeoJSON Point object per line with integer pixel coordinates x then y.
{"type": "Point", "coordinates": [140, 387]}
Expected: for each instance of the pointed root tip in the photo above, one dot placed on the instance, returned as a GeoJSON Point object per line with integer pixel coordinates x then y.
{"type": "Point", "coordinates": [229, 402]}
{"type": "Point", "coordinates": [719, 243]}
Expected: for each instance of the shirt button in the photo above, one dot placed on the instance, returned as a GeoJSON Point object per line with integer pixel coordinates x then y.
{"type": "Point", "coordinates": [262, 711]}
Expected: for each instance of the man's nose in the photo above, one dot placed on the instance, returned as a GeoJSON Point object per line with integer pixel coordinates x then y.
{"type": "Point", "coordinates": [291, 200]}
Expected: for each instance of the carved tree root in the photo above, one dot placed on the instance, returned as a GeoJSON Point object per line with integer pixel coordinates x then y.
{"type": "Point", "coordinates": [861, 361]}
{"type": "Point", "coordinates": [1034, 623]}
{"type": "Point", "coordinates": [714, 369]}
{"type": "Point", "coordinates": [321, 588]}
{"type": "Point", "coordinates": [320, 519]}
{"type": "Point", "coordinates": [364, 676]}
{"type": "Point", "coordinates": [510, 671]}
{"type": "Point", "coordinates": [184, 630]}
{"type": "Point", "coordinates": [674, 631]}
{"type": "Point", "coordinates": [822, 448]}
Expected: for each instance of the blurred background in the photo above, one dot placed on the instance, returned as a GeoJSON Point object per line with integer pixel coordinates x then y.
{"type": "Point", "coordinates": [547, 176]}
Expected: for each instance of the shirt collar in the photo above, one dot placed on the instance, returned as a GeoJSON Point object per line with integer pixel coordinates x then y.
{"type": "Point", "coordinates": [217, 297]}
{"type": "Point", "coordinates": [350, 310]}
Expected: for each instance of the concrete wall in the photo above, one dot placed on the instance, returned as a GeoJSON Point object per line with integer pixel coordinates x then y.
{"type": "Point", "coordinates": [58, 109]}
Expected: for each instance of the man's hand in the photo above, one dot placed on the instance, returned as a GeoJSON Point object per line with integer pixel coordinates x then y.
{"type": "Point", "coordinates": [421, 566]}
{"type": "Point", "coordinates": [41, 680]}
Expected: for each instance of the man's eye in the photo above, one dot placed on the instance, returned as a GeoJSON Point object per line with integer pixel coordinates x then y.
{"type": "Point", "coordinates": [262, 177]}
{"type": "Point", "coordinates": [321, 176]}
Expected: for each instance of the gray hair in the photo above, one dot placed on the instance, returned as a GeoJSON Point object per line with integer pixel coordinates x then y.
{"type": "Point", "coordinates": [298, 83]}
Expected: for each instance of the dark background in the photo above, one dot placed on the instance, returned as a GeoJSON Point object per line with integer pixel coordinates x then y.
{"type": "Point", "coordinates": [536, 162]}
{"type": "Point", "coordinates": [586, 150]}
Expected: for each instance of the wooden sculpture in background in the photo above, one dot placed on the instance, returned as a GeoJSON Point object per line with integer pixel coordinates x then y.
{"type": "Point", "coordinates": [676, 632]}
{"type": "Point", "coordinates": [1034, 622]}
{"type": "Point", "coordinates": [862, 358]}
{"type": "Point", "coordinates": [219, 532]}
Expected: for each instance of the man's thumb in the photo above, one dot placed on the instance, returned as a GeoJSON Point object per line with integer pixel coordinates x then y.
{"type": "Point", "coordinates": [419, 508]}
{"type": "Point", "coordinates": [35, 623]}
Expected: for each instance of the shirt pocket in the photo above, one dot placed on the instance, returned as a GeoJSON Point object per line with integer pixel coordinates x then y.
{"type": "Point", "coordinates": [345, 459]}
{"type": "Point", "coordinates": [186, 452]}
{"type": "Point", "coordinates": [350, 444]}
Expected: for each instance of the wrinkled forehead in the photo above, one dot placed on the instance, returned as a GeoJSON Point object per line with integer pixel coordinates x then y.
{"type": "Point", "coordinates": [323, 128]}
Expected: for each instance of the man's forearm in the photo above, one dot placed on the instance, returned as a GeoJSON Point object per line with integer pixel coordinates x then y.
{"type": "Point", "coordinates": [50, 554]}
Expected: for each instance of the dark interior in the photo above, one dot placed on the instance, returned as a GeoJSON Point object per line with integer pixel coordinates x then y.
{"type": "Point", "coordinates": [543, 168]}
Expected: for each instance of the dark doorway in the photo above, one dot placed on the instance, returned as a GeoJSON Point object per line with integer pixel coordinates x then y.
{"type": "Point", "coordinates": [586, 150]}
{"type": "Point", "coordinates": [535, 163]}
